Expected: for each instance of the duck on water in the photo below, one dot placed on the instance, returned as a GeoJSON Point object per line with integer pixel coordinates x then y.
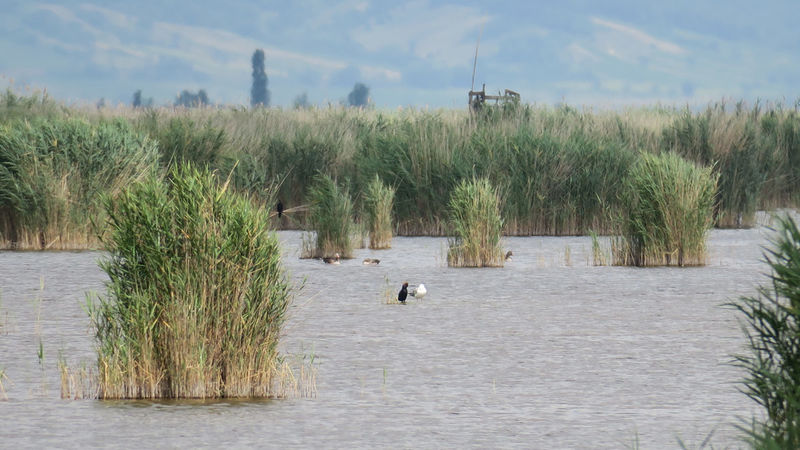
{"type": "Point", "coordinates": [331, 260]}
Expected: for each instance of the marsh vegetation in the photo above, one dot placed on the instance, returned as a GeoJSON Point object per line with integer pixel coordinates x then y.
{"type": "Point", "coordinates": [197, 294]}
{"type": "Point", "coordinates": [331, 219]}
{"type": "Point", "coordinates": [667, 212]}
{"type": "Point", "coordinates": [557, 169]}
{"type": "Point", "coordinates": [477, 226]}
{"type": "Point", "coordinates": [378, 203]}
{"type": "Point", "coordinates": [772, 320]}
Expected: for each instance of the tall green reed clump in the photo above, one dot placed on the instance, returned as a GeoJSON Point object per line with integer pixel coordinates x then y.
{"type": "Point", "coordinates": [552, 182]}
{"type": "Point", "coordinates": [555, 185]}
{"type": "Point", "coordinates": [416, 153]}
{"type": "Point", "coordinates": [780, 130]}
{"type": "Point", "coordinates": [729, 142]}
{"type": "Point", "coordinates": [53, 172]}
{"type": "Point", "coordinates": [378, 201]}
{"type": "Point", "coordinates": [197, 294]}
{"type": "Point", "coordinates": [668, 205]}
{"type": "Point", "coordinates": [772, 327]}
{"type": "Point", "coordinates": [331, 218]}
{"type": "Point", "coordinates": [477, 225]}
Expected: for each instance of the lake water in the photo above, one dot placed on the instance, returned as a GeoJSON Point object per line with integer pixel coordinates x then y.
{"type": "Point", "coordinates": [547, 352]}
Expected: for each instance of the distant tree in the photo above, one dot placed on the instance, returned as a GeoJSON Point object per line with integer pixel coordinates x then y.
{"type": "Point", "coordinates": [101, 103]}
{"type": "Point", "coordinates": [259, 94]}
{"type": "Point", "coordinates": [189, 99]}
{"type": "Point", "coordinates": [139, 102]}
{"type": "Point", "coordinates": [359, 96]}
{"type": "Point", "coordinates": [301, 101]}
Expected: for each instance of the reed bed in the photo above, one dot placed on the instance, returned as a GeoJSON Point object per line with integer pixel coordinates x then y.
{"type": "Point", "coordinates": [53, 172]}
{"type": "Point", "coordinates": [772, 326]}
{"type": "Point", "coordinates": [378, 202]}
{"type": "Point", "coordinates": [754, 151]}
{"type": "Point", "coordinates": [196, 294]}
{"type": "Point", "coordinates": [557, 168]}
{"type": "Point", "coordinates": [477, 226]}
{"type": "Point", "coordinates": [181, 139]}
{"type": "Point", "coordinates": [29, 105]}
{"type": "Point", "coordinates": [331, 219]}
{"type": "Point", "coordinates": [668, 212]}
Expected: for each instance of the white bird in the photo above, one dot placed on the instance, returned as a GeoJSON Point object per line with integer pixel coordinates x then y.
{"type": "Point", "coordinates": [509, 255]}
{"type": "Point", "coordinates": [418, 291]}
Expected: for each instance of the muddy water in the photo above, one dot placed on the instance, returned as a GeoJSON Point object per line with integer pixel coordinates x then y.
{"type": "Point", "coordinates": [548, 352]}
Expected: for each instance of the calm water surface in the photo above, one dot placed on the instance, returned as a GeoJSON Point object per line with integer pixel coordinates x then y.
{"type": "Point", "coordinates": [548, 352]}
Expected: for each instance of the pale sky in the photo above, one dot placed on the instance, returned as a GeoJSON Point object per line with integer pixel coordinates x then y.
{"type": "Point", "coordinates": [419, 53]}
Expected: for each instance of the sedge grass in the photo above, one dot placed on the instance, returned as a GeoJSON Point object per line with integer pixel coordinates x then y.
{"type": "Point", "coordinates": [196, 296]}
{"type": "Point", "coordinates": [477, 226]}
{"type": "Point", "coordinates": [378, 202]}
{"type": "Point", "coordinates": [668, 212]}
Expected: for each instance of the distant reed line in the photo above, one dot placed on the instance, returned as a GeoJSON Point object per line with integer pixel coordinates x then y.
{"type": "Point", "coordinates": [558, 170]}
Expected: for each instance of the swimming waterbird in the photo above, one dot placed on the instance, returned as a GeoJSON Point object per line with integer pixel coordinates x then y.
{"type": "Point", "coordinates": [329, 260]}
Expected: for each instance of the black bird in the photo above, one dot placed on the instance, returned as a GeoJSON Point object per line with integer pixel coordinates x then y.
{"type": "Point", "coordinates": [401, 296]}
{"type": "Point", "coordinates": [279, 208]}
{"type": "Point", "coordinates": [509, 255]}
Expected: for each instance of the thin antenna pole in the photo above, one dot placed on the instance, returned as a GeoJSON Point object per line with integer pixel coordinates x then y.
{"type": "Point", "coordinates": [475, 63]}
